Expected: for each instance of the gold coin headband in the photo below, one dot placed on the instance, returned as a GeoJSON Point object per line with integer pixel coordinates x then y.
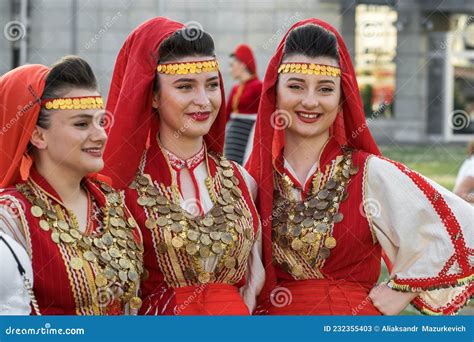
{"type": "Point", "coordinates": [83, 102]}
{"type": "Point", "coordinates": [184, 68]}
{"type": "Point", "coordinates": [309, 69]}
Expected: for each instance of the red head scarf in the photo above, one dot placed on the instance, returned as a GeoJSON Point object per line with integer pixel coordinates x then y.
{"type": "Point", "coordinates": [130, 102]}
{"type": "Point", "coordinates": [350, 128]}
{"type": "Point", "coordinates": [20, 94]}
{"type": "Point", "coordinates": [244, 53]}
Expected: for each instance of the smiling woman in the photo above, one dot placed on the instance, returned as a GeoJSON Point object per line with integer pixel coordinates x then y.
{"type": "Point", "coordinates": [187, 104]}
{"type": "Point", "coordinates": [195, 208]}
{"type": "Point", "coordinates": [82, 243]}
{"type": "Point", "coordinates": [333, 203]}
{"type": "Point", "coordinates": [72, 113]}
{"type": "Point", "coordinates": [194, 96]}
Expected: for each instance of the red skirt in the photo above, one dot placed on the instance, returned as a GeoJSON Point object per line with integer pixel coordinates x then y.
{"type": "Point", "coordinates": [320, 297]}
{"type": "Point", "coordinates": [210, 299]}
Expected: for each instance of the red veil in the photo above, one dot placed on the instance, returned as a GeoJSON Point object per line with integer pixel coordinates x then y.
{"type": "Point", "coordinates": [20, 96]}
{"type": "Point", "coordinates": [244, 53]}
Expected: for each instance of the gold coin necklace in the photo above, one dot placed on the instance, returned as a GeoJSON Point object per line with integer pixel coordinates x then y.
{"type": "Point", "coordinates": [305, 226]}
{"type": "Point", "coordinates": [199, 237]}
{"type": "Point", "coordinates": [113, 252]}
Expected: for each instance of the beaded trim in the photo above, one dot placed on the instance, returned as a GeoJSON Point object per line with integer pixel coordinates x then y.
{"type": "Point", "coordinates": [184, 68]}
{"type": "Point", "coordinates": [450, 222]}
{"type": "Point", "coordinates": [190, 163]}
{"type": "Point", "coordinates": [83, 102]}
{"type": "Point", "coordinates": [451, 308]}
{"type": "Point", "coordinates": [365, 200]}
{"type": "Point", "coordinates": [310, 69]}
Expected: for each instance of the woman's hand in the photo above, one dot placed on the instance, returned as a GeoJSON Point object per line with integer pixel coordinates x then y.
{"type": "Point", "coordinates": [388, 301]}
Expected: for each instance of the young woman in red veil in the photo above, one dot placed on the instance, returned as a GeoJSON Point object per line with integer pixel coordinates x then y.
{"type": "Point", "coordinates": [84, 246]}
{"type": "Point", "coordinates": [330, 203]}
{"type": "Point", "coordinates": [201, 229]}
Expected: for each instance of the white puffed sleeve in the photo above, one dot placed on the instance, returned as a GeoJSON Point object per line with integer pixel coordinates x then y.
{"type": "Point", "coordinates": [255, 272]}
{"type": "Point", "coordinates": [13, 220]}
{"type": "Point", "coordinates": [427, 233]}
{"type": "Point", "coordinates": [14, 296]}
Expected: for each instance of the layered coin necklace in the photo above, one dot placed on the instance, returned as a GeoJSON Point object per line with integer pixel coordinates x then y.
{"type": "Point", "coordinates": [305, 227]}
{"type": "Point", "coordinates": [113, 251]}
{"type": "Point", "coordinates": [213, 234]}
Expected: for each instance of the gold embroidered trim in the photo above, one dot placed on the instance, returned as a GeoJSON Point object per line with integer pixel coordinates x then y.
{"type": "Point", "coordinates": [368, 213]}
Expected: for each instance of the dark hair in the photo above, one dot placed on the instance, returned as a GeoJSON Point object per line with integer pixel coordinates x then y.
{"type": "Point", "coordinates": [311, 41]}
{"type": "Point", "coordinates": [67, 73]}
{"type": "Point", "coordinates": [188, 41]}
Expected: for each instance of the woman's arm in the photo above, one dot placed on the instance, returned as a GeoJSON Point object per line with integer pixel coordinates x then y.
{"type": "Point", "coordinates": [426, 232]}
{"type": "Point", "coordinates": [466, 189]}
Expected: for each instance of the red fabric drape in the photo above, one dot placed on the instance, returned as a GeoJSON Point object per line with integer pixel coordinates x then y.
{"type": "Point", "coordinates": [244, 53]}
{"type": "Point", "coordinates": [20, 94]}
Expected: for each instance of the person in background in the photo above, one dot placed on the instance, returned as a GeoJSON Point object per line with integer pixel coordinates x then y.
{"type": "Point", "coordinates": [464, 186]}
{"type": "Point", "coordinates": [242, 107]}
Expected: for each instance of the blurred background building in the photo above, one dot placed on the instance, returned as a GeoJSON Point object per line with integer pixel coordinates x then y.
{"type": "Point", "coordinates": [414, 59]}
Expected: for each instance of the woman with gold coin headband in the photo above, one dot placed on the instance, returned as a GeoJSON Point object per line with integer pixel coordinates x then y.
{"type": "Point", "coordinates": [84, 246]}
{"type": "Point", "coordinates": [335, 203]}
{"type": "Point", "coordinates": [200, 227]}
